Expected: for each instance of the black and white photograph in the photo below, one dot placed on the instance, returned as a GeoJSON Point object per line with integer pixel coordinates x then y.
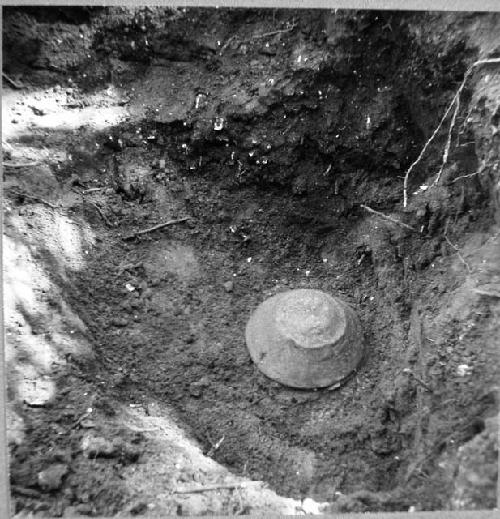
{"type": "Point", "coordinates": [250, 260]}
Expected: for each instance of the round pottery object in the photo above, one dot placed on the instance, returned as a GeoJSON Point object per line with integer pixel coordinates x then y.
{"type": "Point", "coordinates": [305, 338]}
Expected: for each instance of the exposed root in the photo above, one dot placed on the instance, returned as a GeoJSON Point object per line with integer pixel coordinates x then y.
{"type": "Point", "coordinates": [424, 149]}
{"type": "Point", "coordinates": [11, 82]}
{"type": "Point", "coordinates": [101, 214]}
{"type": "Point", "coordinates": [257, 36]}
{"type": "Point", "coordinates": [154, 228]}
{"type": "Point", "coordinates": [455, 247]}
{"type": "Point", "coordinates": [34, 198]}
{"type": "Point", "coordinates": [273, 33]}
{"type": "Point", "coordinates": [454, 102]}
{"type": "Point", "coordinates": [19, 165]}
{"type": "Point", "coordinates": [227, 486]}
{"type": "Point", "coordinates": [478, 172]}
{"type": "Point", "coordinates": [418, 380]}
{"type": "Point", "coordinates": [226, 45]}
{"type": "Point", "coordinates": [215, 447]}
{"type": "Point", "coordinates": [467, 266]}
{"type": "Point", "coordinates": [388, 218]}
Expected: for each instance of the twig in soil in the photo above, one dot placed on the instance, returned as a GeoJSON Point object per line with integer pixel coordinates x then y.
{"type": "Point", "coordinates": [11, 82]}
{"type": "Point", "coordinates": [273, 33]}
{"type": "Point", "coordinates": [19, 165]}
{"type": "Point", "coordinates": [208, 488]}
{"type": "Point", "coordinates": [478, 172]}
{"type": "Point", "coordinates": [455, 247]}
{"type": "Point", "coordinates": [142, 429]}
{"type": "Point", "coordinates": [154, 228]}
{"type": "Point", "coordinates": [455, 100]}
{"type": "Point", "coordinates": [240, 503]}
{"type": "Point", "coordinates": [83, 417]}
{"type": "Point", "coordinates": [467, 266]}
{"type": "Point", "coordinates": [215, 447]}
{"type": "Point", "coordinates": [34, 198]}
{"type": "Point", "coordinates": [92, 190]}
{"type": "Point", "coordinates": [101, 214]}
{"type": "Point", "coordinates": [388, 218]}
{"type": "Point", "coordinates": [257, 36]}
{"type": "Point", "coordinates": [226, 45]}
{"type": "Point", "coordinates": [418, 380]}
{"type": "Point", "coordinates": [467, 176]}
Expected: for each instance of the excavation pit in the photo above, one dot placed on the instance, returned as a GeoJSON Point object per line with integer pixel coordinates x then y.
{"type": "Point", "coordinates": [208, 160]}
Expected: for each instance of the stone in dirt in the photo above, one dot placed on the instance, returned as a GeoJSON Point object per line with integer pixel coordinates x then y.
{"type": "Point", "coordinates": [15, 427]}
{"type": "Point", "coordinates": [198, 505]}
{"type": "Point", "coordinates": [119, 322]}
{"type": "Point", "coordinates": [153, 409]}
{"type": "Point", "coordinates": [52, 477]}
{"type": "Point", "coordinates": [477, 473]}
{"type": "Point", "coordinates": [98, 447]}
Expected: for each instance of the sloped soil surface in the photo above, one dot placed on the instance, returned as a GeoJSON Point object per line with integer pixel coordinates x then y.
{"type": "Point", "coordinates": [259, 139]}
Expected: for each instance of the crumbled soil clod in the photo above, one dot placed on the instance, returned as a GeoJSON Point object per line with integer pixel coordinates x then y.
{"type": "Point", "coordinates": [52, 477]}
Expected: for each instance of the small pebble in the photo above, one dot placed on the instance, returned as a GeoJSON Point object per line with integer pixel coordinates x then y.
{"type": "Point", "coordinates": [87, 424]}
{"type": "Point", "coordinates": [51, 478]}
{"type": "Point", "coordinates": [119, 322]}
{"type": "Point", "coordinates": [228, 286]}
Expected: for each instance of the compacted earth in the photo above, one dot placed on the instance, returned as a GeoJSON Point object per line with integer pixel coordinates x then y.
{"type": "Point", "coordinates": [167, 170]}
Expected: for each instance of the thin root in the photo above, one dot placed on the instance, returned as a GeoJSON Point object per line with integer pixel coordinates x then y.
{"type": "Point", "coordinates": [273, 33]}
{"type": "Point", "coordinates": [101, 214]}
{"type": "Point", "coordinates": [215, 447]}
{"type": "Point", "coordinates": [34, 198]}
{"type": "Point", "coordinates": [455, 247]}
{"type": "Point", "coordinates": [388, 218]}
{"type": "Point", "coordinates": [446, 153]}
{"type": "Point", "coordinates": [207, 488]}
{"type": "Point", "coordinates": [467, 266]}
{"type": "Point", "coordinates": [257, 36]}
{"type": "Point", "coordinates": [18, 165]}
{"type": "Point", "coordinates": [454, 102]}
{"type": "Point", "coordinates": [154, 228]}
{"type": "Point", "coordinates": [226, 45]}
{"type": "Point", "coordinates": [418, 380]}
{"type": "Point", "coordinates": [11, 82]}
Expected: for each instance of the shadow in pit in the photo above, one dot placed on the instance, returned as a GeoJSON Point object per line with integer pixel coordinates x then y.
{"type": "Point", "coordinates": [49, 366]}
{"type": "Point", "coordinates": [53, 392]}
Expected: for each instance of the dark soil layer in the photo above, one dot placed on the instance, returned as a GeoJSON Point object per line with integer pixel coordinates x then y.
{"type": "Point", "coordinates": [272, 146]}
